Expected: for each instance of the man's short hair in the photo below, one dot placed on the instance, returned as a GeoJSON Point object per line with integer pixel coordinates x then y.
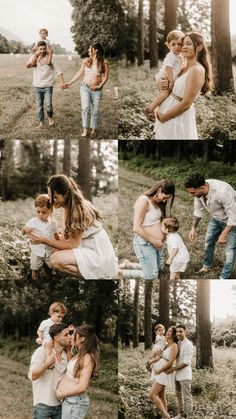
{"type": "Point", "coordinates": [180, 326]}
{"type": "Point", "coordinates": [56, 329]}
{"type": "Point", "coordinates": [41, 44]}
{"type": "Point", "coordinates": [196, 180]}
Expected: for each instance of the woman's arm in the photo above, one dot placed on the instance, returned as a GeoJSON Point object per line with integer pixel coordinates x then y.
{"type": "Point", "coordinates": [140, 210]}
{"type": "Point", "coordinates": [105, 75]}
{"type": "Point", "coordinates": [58, 244]}
{"type": "Point", "coordinates": [193, 86]}
{"type": "Point", "coordinates": [84, 379]}
{"type": "Point", "coordinates": [173, 355]}
{"type": "Point", "coordinates": [77, 75]}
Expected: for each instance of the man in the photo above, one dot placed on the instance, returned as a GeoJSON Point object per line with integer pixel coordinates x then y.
{"type": "Point", "coordinates": [43, 78]}
{"type": "Point", "coordinates": [183, 374]}
{"type": "Point", "coordinates": [219, 199]}
{"type": "Point", "coordinates": [46, 371]}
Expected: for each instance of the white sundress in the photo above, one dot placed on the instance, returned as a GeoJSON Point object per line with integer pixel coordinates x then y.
{"type": "Point", "coordinates": [183, 127]}
{"type": "Point", "coordinates": [167, 380]}
{"type": "Point", "coordinates": [95, 256]}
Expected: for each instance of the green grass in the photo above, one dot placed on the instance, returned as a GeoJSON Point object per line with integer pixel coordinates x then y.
{"type": "Point", "coordinates": [18, 114]}
{"type": "Point", "coordinates": [14, 251]}
{"type": "Point", "coordinates": [215, 115]}
{"type": "Point", "coordinates": [132, 182]}
{"type": "Point", "coordinates": [213, 392]}
{"type": "Point", "coordinates": [16, 393]}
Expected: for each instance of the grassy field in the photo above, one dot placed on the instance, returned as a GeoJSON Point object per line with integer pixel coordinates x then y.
{"type": "Point", "coordinates": [18, 114]}
{"type": "Point", "coordinates": [213, 392]}
{"type": "Point", "coordinates": [132, 184]}
{"type": "Point", "coordinates": [16, 393]}
{"type": "Point", "coordinates": [215, 115]}
{"type": "Point", "coordinates": [14, 251]}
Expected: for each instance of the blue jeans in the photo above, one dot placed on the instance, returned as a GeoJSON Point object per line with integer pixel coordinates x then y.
{"type": "Point", "coordinates": [44, 97]}
{"type": "Point", "coordinates": [75, 407]}
{"type": "Point", "coordinates": [214, 229]}
{"type": "Point", "coordinates": [90, 101]}
{"type": "Point", "coordinates": [150, 258]}
{"type": "Point", "coordinates": [42, 411]}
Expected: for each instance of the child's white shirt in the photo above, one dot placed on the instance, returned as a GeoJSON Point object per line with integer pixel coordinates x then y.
{"type": "Point", "coordinates": [41, 228]}
{"type": "Point", "coordinates": [44, 328]}
{"type": "Point", "coordinates": [159, 343]}
{"type": "Point", "coordinates": [47, 42]}
{"type": "Point", "coordinates": [171, 60]}
{"type": "Point", "coordinates": [174, 241]}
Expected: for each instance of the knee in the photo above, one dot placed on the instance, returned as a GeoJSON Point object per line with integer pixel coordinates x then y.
{"type": "Point", "coordinates": [54, 262]}
{"type": "Point", "coordinates": [151, 395]}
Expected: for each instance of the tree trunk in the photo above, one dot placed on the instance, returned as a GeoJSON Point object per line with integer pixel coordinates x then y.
{"type": "Point", "coordinates": [205, 156]}
{"type": "Point", "coordinates": [204, 357]}
{"type": "Point", "coordinates": [221, 47]}
{"type": "Point", "coordinates": [148, 314]}
{"type": "Point", "coordinates": [170, 17]}
{"type": "Point", "coordinates": [84, 169]}
{"type": "Point", "coordinates": [140, 34]}
{"type": "Point", "coordinates": [136, 315]}
{"type": "Point", "coordinates": [153, 49]}
{"type": "Point", "coordinates": [67, 158]}
{"type": "Point", "coordinates": [164, 316]}
{"type": "Point", "coordinates": [55, 157]}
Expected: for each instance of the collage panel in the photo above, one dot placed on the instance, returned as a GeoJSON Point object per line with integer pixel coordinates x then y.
{"type": "Point", "coordinates": [58, 349]}
{"type": "Point", "coordinates": [177, 349]}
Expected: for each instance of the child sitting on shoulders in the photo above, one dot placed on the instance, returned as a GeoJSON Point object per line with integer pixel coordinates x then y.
{"type": "Point", "coordinates": [43, 33]}
{"type": "Point", "coordinates": [171, 67]}
{"type": "Point", "coordinates": [178, 252]}
{"type": "Point", "coordinates": [57, 312]}
{"type": "Point", "coordinates": [42, 225]}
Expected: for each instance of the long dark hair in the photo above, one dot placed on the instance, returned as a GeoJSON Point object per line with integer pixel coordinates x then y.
{"type": "Point", "coordinates": [203, 58]}
{"type": "Point", "coordinates": [89, 346]}
{"type": "Point", "coordinates": [80, 212]}
{"type": "Point", "coordinates": [100, 55]}
{"type": "Point", "coordinates": [166, 186]}
{"type": "Point", "coordinates": [174, 337]}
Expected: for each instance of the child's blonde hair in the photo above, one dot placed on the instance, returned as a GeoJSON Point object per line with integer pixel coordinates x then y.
{"type": "Point", "coordinates": [158, 326]}
{"type": "Point", "coordinates": [42, 200]}
{"type": "Point", "coordinates": [57, 307]}
{"type": "Point", "coordinates": [173, 35]}
{"type": "Point", "coordinates": [45, 30]}
{"type": "Point", "coordinates": [171, 224]}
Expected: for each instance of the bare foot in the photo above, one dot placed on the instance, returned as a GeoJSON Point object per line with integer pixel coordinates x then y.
{"type": "Point", "coordinates": [203, 270]}
{"type": "Point", "coordinates": [84, 134]}
{"type": "Point", "coordinates": [34, 274]}
{"type": "Point", "coordinates": [126, 264]}
{"type": "Point", "coordinates": [41, 125]}
{"type": "Point", "coordinates": [51, 122]}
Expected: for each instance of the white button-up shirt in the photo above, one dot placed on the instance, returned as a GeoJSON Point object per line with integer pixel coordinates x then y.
{"type": "Point", "coordinates": [44, 74]}
{"type": "Point", "coordinates": [44, 387]}
{"type": "Point", "coordinates": [184, 356]}
{"type": "Point", "coordinates": [42, 228]}
{"type": "Point", "coordinates": [220, 202]}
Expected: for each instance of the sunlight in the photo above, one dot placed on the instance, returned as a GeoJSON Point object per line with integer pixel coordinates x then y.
{"type": "Point", "coordinates": [232, 14]}
{"type": "Point", "coordinates": [223, 299]}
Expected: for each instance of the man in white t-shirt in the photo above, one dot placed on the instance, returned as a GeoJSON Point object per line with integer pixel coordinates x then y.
{"type": "Point", "coordinates": [183, 374]}
{"type": "Point", "coordinates": [45, 372]}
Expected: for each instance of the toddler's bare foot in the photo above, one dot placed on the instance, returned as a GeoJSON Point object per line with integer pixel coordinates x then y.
{"type": "Point", "coordinates": [34, 274]}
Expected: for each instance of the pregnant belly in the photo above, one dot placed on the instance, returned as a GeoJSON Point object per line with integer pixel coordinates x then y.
{"type": "Point", "coordinates": [92, 79]}
{"type": "Point", "coordinates": [66, 384]}
{"type": "Point", "coordinates": [155, 230]}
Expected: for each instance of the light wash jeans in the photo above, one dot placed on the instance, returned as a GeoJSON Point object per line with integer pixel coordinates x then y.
{"type": "Point", "coordinates": [42, 411]}
{"type": "Point", "coordinates": [150, 258]}
{"type": "Point", "coordinates": [90, 101]}
{"type": "Point", "coordinates": [75, 407]}
{"type": "Point", "coordinates": [214, 229]}
{"type": "Point", "coordinates": [44, 97]}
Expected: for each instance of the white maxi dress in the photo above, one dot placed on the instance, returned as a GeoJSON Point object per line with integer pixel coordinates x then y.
{"type": "Point", "coordinates": [183, 127]}
{"type": "Point", "coordinates": [95, 255]}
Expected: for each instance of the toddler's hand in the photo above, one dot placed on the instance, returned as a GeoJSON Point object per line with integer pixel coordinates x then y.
{"type": "Point", "coordinates": [168, 262]}
{"type": "Point", "coordinates": [27, 230]}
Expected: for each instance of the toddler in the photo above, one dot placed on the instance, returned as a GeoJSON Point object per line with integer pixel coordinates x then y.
{"type": "Point", "coordinates": [157, 348]}
{"type": "Point", "coordinates": [43, 33]}
{"type": "Point", "coordinates": [41, 225]}
{"type": "Point", "coordinates": [57, 312]}
{"type": "Point", "coordinates": [171, 67]}
{"type": "Point", "coordinates": [178, 252]}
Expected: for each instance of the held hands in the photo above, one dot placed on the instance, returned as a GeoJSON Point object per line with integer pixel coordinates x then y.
{"type": "Point", "coordinates": [65, 85]}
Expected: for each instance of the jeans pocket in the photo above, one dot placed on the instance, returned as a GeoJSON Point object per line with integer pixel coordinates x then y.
{"type": "Point", "coordinates": [71, 400]}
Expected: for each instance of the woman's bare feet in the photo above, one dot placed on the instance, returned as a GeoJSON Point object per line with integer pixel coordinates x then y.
{"type": "Point", "coordinates": [94, 133]}
{"type": "Point", "coordinates": [126, 264]}
{"type": "Point", "coordinates": [84, 133]}
{"type": "Point", "coordinates": [51, 122]}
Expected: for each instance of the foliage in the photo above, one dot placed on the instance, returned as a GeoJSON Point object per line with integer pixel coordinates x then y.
{"type": "Point", "coordinates": [95, 22]}
{"type": "Point", "coordinates": [14, 47]}
{"type": "Point", "coordinates": [224, 332]}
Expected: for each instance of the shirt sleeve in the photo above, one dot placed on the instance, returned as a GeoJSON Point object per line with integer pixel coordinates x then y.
{"type": "Point", "coordinates": [187, 354]}
{"type": "Point", "coordinates": [198, 208]}
{"type": "Point", "coordinates": [169, 60]}
{"type": "Point", "coordinates": [42, 326]}
{"type": "Point", "coordinates": [228, 202]}
{"type": "Point", "coordinates": [37, 360]}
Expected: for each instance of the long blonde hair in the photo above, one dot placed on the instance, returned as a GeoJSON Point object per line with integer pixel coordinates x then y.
{"type": "Point", "coordinates": [80, 212]}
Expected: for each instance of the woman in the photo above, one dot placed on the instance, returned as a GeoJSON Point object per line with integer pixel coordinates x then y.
{"type": "Point", "coordinates": [176, 115]}
{"type": "Point", "coordinates": [95, 72]}
{"type": "Point", "coordinates": [149, 209]}
{"type": "Point", "coordinates": [160, 378]}
{"type": "Point", "coordinates": [73, 385]}
{"type": "Point", "coordinates": [85, 249]}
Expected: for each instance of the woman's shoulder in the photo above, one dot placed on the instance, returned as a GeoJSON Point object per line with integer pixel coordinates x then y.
{"type": "Point", "coordinates": [197, 69]}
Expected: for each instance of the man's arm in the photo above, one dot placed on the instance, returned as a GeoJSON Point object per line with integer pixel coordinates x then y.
{"type": "Point", "coordinates": [192, 232]}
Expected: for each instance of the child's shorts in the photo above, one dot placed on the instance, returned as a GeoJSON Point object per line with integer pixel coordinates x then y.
{"type": "Point", "coordinates": [177, 266]}
{"type": "Point", "coordinates": [37, 261]}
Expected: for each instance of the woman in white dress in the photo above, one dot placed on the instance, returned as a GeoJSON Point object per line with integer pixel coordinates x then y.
{"type": "Point", "coordinates": [160, 378]}
{"type": "Point", "coordinates": [84, 249]}
{"type": "Point", "coordinates": [176, 115]}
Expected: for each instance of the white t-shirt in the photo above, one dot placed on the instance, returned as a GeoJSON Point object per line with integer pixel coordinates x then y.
{"type": "Point", "coordinates": [171, 60]}
{"type": "Point", "coordinates": [174, 241]}
{"type": "Point", "coordinates": [44, 74]}
{"type": "Point", "coordinates": [44, 387]}
{"type": "Point", "coordinates": [44, 327]}
{"type": "Point", "coordinates": [41, 228]}
{"type": "Point", "coordinates": [160, 343]}
{"type": "Point", "coordinates": [185, 355]}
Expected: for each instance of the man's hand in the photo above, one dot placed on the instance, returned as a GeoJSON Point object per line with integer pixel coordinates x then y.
{"type": "Point", "coordinates": [50, 361]}
{"type": "Point", "coordinates": [222, 239]}
{"type": "Point", "coordinates": [170, 370]}
{"type": "Point", "coordinates": [192, 234]}
{"type": "Point", "coordinates": [59, 394]}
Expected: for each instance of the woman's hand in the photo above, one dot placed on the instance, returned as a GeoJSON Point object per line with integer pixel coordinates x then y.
{"type": "Point", "coordinates": [160, 116]}
{"type": "Point", "coordinates": [59, 394]}
{"type": "Point", "coordinates": [34, 239]}
{"type": "Point", "coordinates": [156, 243]}
{"type": "Point", "coordinates": [163, 83]}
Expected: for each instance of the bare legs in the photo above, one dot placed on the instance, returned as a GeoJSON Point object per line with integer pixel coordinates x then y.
{"type": "Point", "coordinates": [157, 395]}
{"type": "Point", "coordinates": [64, 261]}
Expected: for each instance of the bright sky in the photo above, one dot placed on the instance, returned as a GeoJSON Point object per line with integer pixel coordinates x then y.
{"type": "Point", "coordinates": [25, 17]}
{"type": "Point", "coordinates": [223, 301]}
{"type": "Point", "coordinates": [232, 13]}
